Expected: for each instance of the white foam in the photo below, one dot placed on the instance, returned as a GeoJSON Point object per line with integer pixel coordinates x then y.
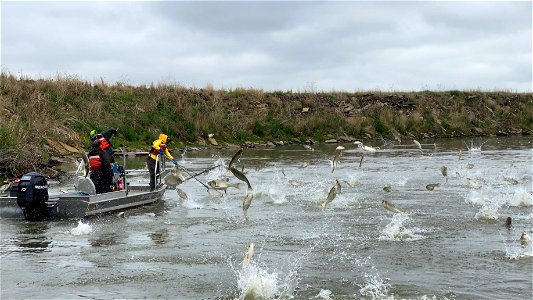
{"type": "Point", "coordinates": [521, 197]}
{"type": "Point", "coordinates": [256, 283]}
{"type": "Point", "coordinates": [488, 212]}
{"type": "Point", "coordinates": [374, 288]}
{"type": "Point", "coordinates": [397, 231]}
{"type": "Point", "coordinates": [517, 250]}
{"type": "Point", "coordinates": [81, 229]}
{"type": "Point", "coordinates": [323, 294]}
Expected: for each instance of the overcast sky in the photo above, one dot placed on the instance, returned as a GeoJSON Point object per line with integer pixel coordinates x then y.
{"type": "Point", "coordinates": [273, 45]}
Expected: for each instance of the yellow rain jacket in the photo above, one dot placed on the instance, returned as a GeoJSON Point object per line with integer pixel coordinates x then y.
{"type": "Point", "coordinates": [160, 144]}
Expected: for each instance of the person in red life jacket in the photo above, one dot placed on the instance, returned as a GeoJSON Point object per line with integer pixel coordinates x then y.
{"type": "Point", "coordinates": [100, 167]}
{"type": "Point", "coordinates": [105, 139]}
{"type": "Point", "coordinates": [159, 147]}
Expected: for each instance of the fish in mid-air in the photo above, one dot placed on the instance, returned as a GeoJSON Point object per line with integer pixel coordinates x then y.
{"type": "Point", "coordinates": [335, 161]}
{"type": "Point", "coordinates": [181, 193]}
{"type": "Point", "coordinates": [248, 256]}
{"type": "Point", "coordinates": [418, 145]}
{"type": "Point", "coordinates": [247, 201]}
{"type": "Point", "coordinates": [432, 186]}
{"type": "Point", "coordinates": [235, 157]}
{"type": "Point", "coordinates": [390, 207]}
{"type": "Point", "coordinates": [240, 176]}
{"type": "Point", "coordinates": [294, 182]}
{"type": "Point", "coordinates": [222, 184]}
{"type": "Point", "coordinates": [173, 179]}
{"type": "Point", "coordinates": [331, 195]}
{"type": "Point", "coordinates": [304, 164]}
{"type": "Point", "coordinates": [387, 188]}
{"type": "Point", "coordinates": [524, 238]}
{"type": "Point", "coordinates": [444, 172]}
{"type": "Point", "coordinates": [510, 180]}
{"type": "Point", "coordinates": [365, 148]}
{"type": "Point", "coordinates": [307, 147]}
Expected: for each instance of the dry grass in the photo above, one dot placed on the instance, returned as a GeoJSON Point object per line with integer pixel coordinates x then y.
{"type": "Point", "coordinates": [66, 109]}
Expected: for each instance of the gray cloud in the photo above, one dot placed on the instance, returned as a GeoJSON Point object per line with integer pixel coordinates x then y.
{"type": "Point", "coordinates": [343, 46]}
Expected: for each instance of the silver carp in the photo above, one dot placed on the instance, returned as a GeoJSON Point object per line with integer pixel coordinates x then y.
{"type": "Point", "coordinates": [331, 195]}
{"type": "Point", "coordinates": [222, 184]}
{"type": "Point", "coordinates": [240, 176]}
{"type": "Point", "coordinates": [390, 207]}
{"type": "Point", "coordinates": [235, 157]}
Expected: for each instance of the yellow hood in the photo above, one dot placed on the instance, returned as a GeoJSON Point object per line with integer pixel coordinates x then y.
{"type": "Point", "coordinates": [163, 138]}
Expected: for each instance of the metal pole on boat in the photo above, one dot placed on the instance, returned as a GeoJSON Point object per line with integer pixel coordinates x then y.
{"type": "Point", "coordinates": [200, 173]}
{"type": "Point", "coordinates": [156, 169]}
{"type": "Point", "coordinates": [124, 166]}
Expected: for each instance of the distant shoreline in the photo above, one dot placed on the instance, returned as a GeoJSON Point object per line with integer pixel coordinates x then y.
{"type": "Point", "coordinates": [46, 118]}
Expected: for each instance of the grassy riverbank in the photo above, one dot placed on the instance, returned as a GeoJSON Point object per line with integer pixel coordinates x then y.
{"type": "Point", "coordinates": [43, 118]}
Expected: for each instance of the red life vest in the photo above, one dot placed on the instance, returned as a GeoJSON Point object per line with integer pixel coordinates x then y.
{"type": "Point", "coordinates": [95, 162]}
{"type": "Point", "coordinates": [154, 151]}
{"type": "Point", "coordinates": [104, 144]}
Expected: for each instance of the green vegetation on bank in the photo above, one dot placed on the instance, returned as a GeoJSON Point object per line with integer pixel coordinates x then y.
{"type": "Point", "coordinates": [36, 113]}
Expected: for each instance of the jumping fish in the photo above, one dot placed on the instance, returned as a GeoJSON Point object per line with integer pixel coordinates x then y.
{"type": "Point", "coordinates": [240, 176]}
{"type": "Point", "coordinates": [121, 215]}
{"type": "Point", "coordinates": [444, 171]}
{"type": "Point", "coordinates": [294, 182]}
{"type": "Point", "coordinates": [331, 195]}
{"type": "Point", "coordinates": [307, 147]}
{"type": "Point", "coordinates": [390, 207]}
{"type": "Point", "coordinates": [222, 184]}
{"type": "Point", "coordinates": [418, 145]}
{"type": "Point", "coordinates": [235, 157]}
{"type": "Point", "coordinates": [387, 188]}
{"type": "Point", "coordinates": [304, 164]}
{"type": "Point", "coordinates": [472, 183]}
{"type": "Point", "coordinates": [173, 179]}
{"type": "Point", "coordinates": [468, 166]}
{"type": "Point", "coordinates": [432, 186]}
{"type": "Point", "coordinates": [247, 200]}
{"type": "Point", "coordinates": [365, 148]}
{"type": "Point", "coordinates": [339, 187]}
{"type": "Point", "coordinates": [85, 162]}
{"type": "Point", "coordinates": [181, 193]}
{"type": "Point", "coordinates": [335, 161]}
{"type": "Point", "coordinates": [510, 180]}
{"type": "Point", "coordinates": [4, 188]}
{"type": "Point", "coordinates": [524, 238]}
{"type": "Point", "coordinates": [248, 256]}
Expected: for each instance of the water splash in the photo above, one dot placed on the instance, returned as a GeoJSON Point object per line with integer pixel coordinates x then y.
{"type": "Point", "coordinates": [81, 229]}
{"type": "Point", "coordinates": [397, 231]}
{"type": "Point", "coordinates": [516, 250]}
{"type": "Point", "coordinates": [323, 294]}
{"type": "Point", "coordinates": [255, 282]}
{"type": "Point", "coordinates": [488, 212]}
{"type": "Point", "coordinates": [374, 288]}
{"type": "Point", "coordinates": [521, 197]}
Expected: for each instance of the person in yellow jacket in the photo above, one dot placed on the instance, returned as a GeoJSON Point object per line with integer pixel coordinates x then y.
{"type": "Point", "coordinates": [159, 147]}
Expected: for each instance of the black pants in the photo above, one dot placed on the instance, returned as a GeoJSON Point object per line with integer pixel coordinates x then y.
{"type": "Point", "coordinates": [152, 169]}
{"type": "Point", "coordinates": [102, 179]}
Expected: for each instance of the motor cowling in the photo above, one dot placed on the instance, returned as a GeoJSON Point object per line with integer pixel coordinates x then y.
{"type": "Point", "coordinates": [32, 196]}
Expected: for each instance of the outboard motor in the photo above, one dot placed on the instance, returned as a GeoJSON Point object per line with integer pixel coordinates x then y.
{"type": "Point", "coordinates": [32, 196]}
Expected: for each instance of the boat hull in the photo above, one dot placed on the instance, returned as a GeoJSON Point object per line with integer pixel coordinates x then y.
{"type": "Point", "coordinates": [77, 205]}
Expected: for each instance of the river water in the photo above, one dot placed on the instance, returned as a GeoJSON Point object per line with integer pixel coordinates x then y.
{"type": "Point", "coordinates": [451, 242]}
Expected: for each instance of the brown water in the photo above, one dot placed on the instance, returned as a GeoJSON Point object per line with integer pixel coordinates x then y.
{"type": "Point", "coordinates": [450, 244]}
